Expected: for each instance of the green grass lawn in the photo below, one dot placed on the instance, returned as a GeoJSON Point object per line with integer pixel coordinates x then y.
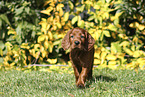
{"type": "Point", "coordinates": [106, 83]}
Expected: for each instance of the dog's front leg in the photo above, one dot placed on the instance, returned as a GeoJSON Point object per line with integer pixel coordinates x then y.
{"type": "Point", "coordinates": [76, 72]}
{"type": "Point", "coordinates": [82, 77]}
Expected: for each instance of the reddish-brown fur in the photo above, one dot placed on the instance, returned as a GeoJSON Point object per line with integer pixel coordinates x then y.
{"type": "Point", "coordinates": [81, 45]}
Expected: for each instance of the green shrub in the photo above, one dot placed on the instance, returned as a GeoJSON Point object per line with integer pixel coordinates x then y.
{"type": "Point", "coordinates": [116, 25]}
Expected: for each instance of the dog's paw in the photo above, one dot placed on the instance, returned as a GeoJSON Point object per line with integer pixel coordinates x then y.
{"type": "Point", "coordinates": [80, 85]}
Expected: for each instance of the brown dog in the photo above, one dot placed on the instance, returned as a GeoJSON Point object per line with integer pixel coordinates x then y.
{"type": "Point", "coordinates": [81, 46]}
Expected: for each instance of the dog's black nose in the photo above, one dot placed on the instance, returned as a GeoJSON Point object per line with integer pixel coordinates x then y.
{"type": "Point", "coordinates": [77, 42]}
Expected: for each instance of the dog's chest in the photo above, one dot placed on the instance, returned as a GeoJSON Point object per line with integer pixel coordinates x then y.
{"type": "Point", "coordinates": [77, 57]}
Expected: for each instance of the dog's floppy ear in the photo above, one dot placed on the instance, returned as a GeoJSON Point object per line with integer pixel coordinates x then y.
{"type": "Point", "coordinates": [89, 42]}
{"type": "Point", "coordinates": [66, 41]}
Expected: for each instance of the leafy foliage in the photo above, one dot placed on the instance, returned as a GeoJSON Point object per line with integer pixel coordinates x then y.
{"type": "Point", "coordinates": [18, 25]}
{"type": "Point", "coordinates": [116, 25]}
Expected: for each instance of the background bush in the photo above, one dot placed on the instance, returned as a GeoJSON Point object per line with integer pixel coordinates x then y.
{"type": "Point", "coordinates": [32, 31]}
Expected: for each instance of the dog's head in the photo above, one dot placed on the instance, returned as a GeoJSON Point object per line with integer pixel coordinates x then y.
{"type": "Point", "coordinates": [78, 38]}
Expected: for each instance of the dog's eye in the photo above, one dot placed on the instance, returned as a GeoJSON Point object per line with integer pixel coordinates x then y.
{"type": "Point", "coordinates": [82, 36]}
{"type": "Point", "coordinates": [72, 36]}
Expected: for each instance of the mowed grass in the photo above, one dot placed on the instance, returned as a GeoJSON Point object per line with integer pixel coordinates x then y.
{"type": "Point", "coordinates": [106, 83]}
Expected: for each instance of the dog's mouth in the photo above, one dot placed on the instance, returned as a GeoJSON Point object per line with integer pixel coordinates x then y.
{"type": "Point", "coordinates": [80, 47]}
{"type": "Point", "coordinates": [76, 47]}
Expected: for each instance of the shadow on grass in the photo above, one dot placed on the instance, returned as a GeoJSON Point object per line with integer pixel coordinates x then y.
{"type": "Point", "coordinates": [100, 78]}
{"type": "Point", "coordinates": [95, 79]}
{"type": "Point", "coordinates": [104, 78]}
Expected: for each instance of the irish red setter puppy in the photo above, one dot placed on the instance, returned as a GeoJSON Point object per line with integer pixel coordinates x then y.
{"type": "Point", "coordinates": [81, 45]}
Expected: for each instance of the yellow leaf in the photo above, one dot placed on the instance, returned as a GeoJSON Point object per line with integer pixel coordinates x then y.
{"type": "Point", "coordinates": [141, 62]}
{"type": "Point", "coordinates": [141, 27]}
{"type": "Point", "coordinates": [81, 23]}
{"type": "Point", "coordinates": [50, 47]}
{"type": "Point", "coordinates": [103, 55]}
{"type": "Point", "coordinates": [60, 36]}
{"type": "Point", "coordinates": [56, 42]}
{"type": "Point", "coordinates": [123, 36]}
{"type": "Point", "coordinates": [71, 5]}
{"type": "Point", "coordinates": [41, 38]}
{"type": "Point", "coordinates": [52, 61]}
{"type": "Point", "coordinates": [36, 46]}
{"type": "Point", "coordinates": [97, 61]}
{"type": "Point", "coordinates": [46, 44]}
{"type": "Point", "coordinates": [41, 48]}
{"type": "Point", "coordinates": [50, 35]}
{"type": "Point", "coordinates": [60, 0]}
{"type": "Point", "coordinates": [48, 26]}
{"type": "Point", "coordinates": [112, 18]}
{"type": "Point", "coordinates": [11, 32]}
{"type": "Point", "coordinates": [106, 14]}
{"type": "Point", "coordinates": [80, 8]}
{"type": "Point", "coordinates": [1, 52]}
{"type": "Point", "coordinates": [54, 27]}
{"type": "Point", "coordinates": [128, 51]}
{"type": "Point", "coordinates": [25, 45]}
{"type": "Point", "coordinates": [108, 1]}
{"type": "Point", "coordinates": [124, 43]}
{"type": "Point", "coordinates": [140, 18]}
{"type": "Point", "coordinates": [112, 62]}
{"type": "Point", "coordinates": [60, 12]}
{"type": "Point", "coordinates": [134, 24]}
{"type": "Point", "coordinates": [47, 2]}
{"type": "Point", "coordinates": [137, 54]}
{"type": "Point", "coordinates": [44, 26]}
{"type": "Point", "coordinates": [97, 34]}
{"type": "Point", "coordinates": [106, 33]}
{"type": "Point", "coordinates": [44, 53]}
{"type": "Point", "coordinates": [66, 16]}
{"type": "Point", "coordinates": [63, 24]}
{"type": "Point", "coordinates": [130, 65]}
{"type": "Point", "coordinates": [79, 18]}
{"type": "Point", "coordinates": [59, 25]}
{"type": "Point", "coordinates": [8, 44]}
{"type": "Point", "coordinates": [16, 54]}
{"type": "Point", "coordinates": [103, 65]}
{"type": "Point", "coordinates": [112, 66]}
{"type": "Point", "coordinates": [12, 64]}
{"type": "Point", "coordinates": [50, 19]}
{"type": "Point", "coordinates": [111, 57]}
{"type": "Point", "coordinates": [135, 39]}
{"type": "Point", "coordinates": [103, 49]}
{"type": "Point", "coordinates": [59, 6]}
{"type": "Point", "coordinates": [131, 25]}
{"type": "Point", "coordinates": [112, 27]}
{"type": "Point", "coordinates": [74, 20]}
{"type": "Point", "coordinates": [54, 67]}
{"type": "Point", "coordinates": [118, 14]}
{"type": "Point", "coordinates": [97, 54]}
{"type": "Point", "coordinates": [57, 18]}
{"type": "Point", "coordinates": [89, 2]}
{"type": "Point", "coordinates": [47, 11]}
{"type": "Point", "coordinates": [120, 55]}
